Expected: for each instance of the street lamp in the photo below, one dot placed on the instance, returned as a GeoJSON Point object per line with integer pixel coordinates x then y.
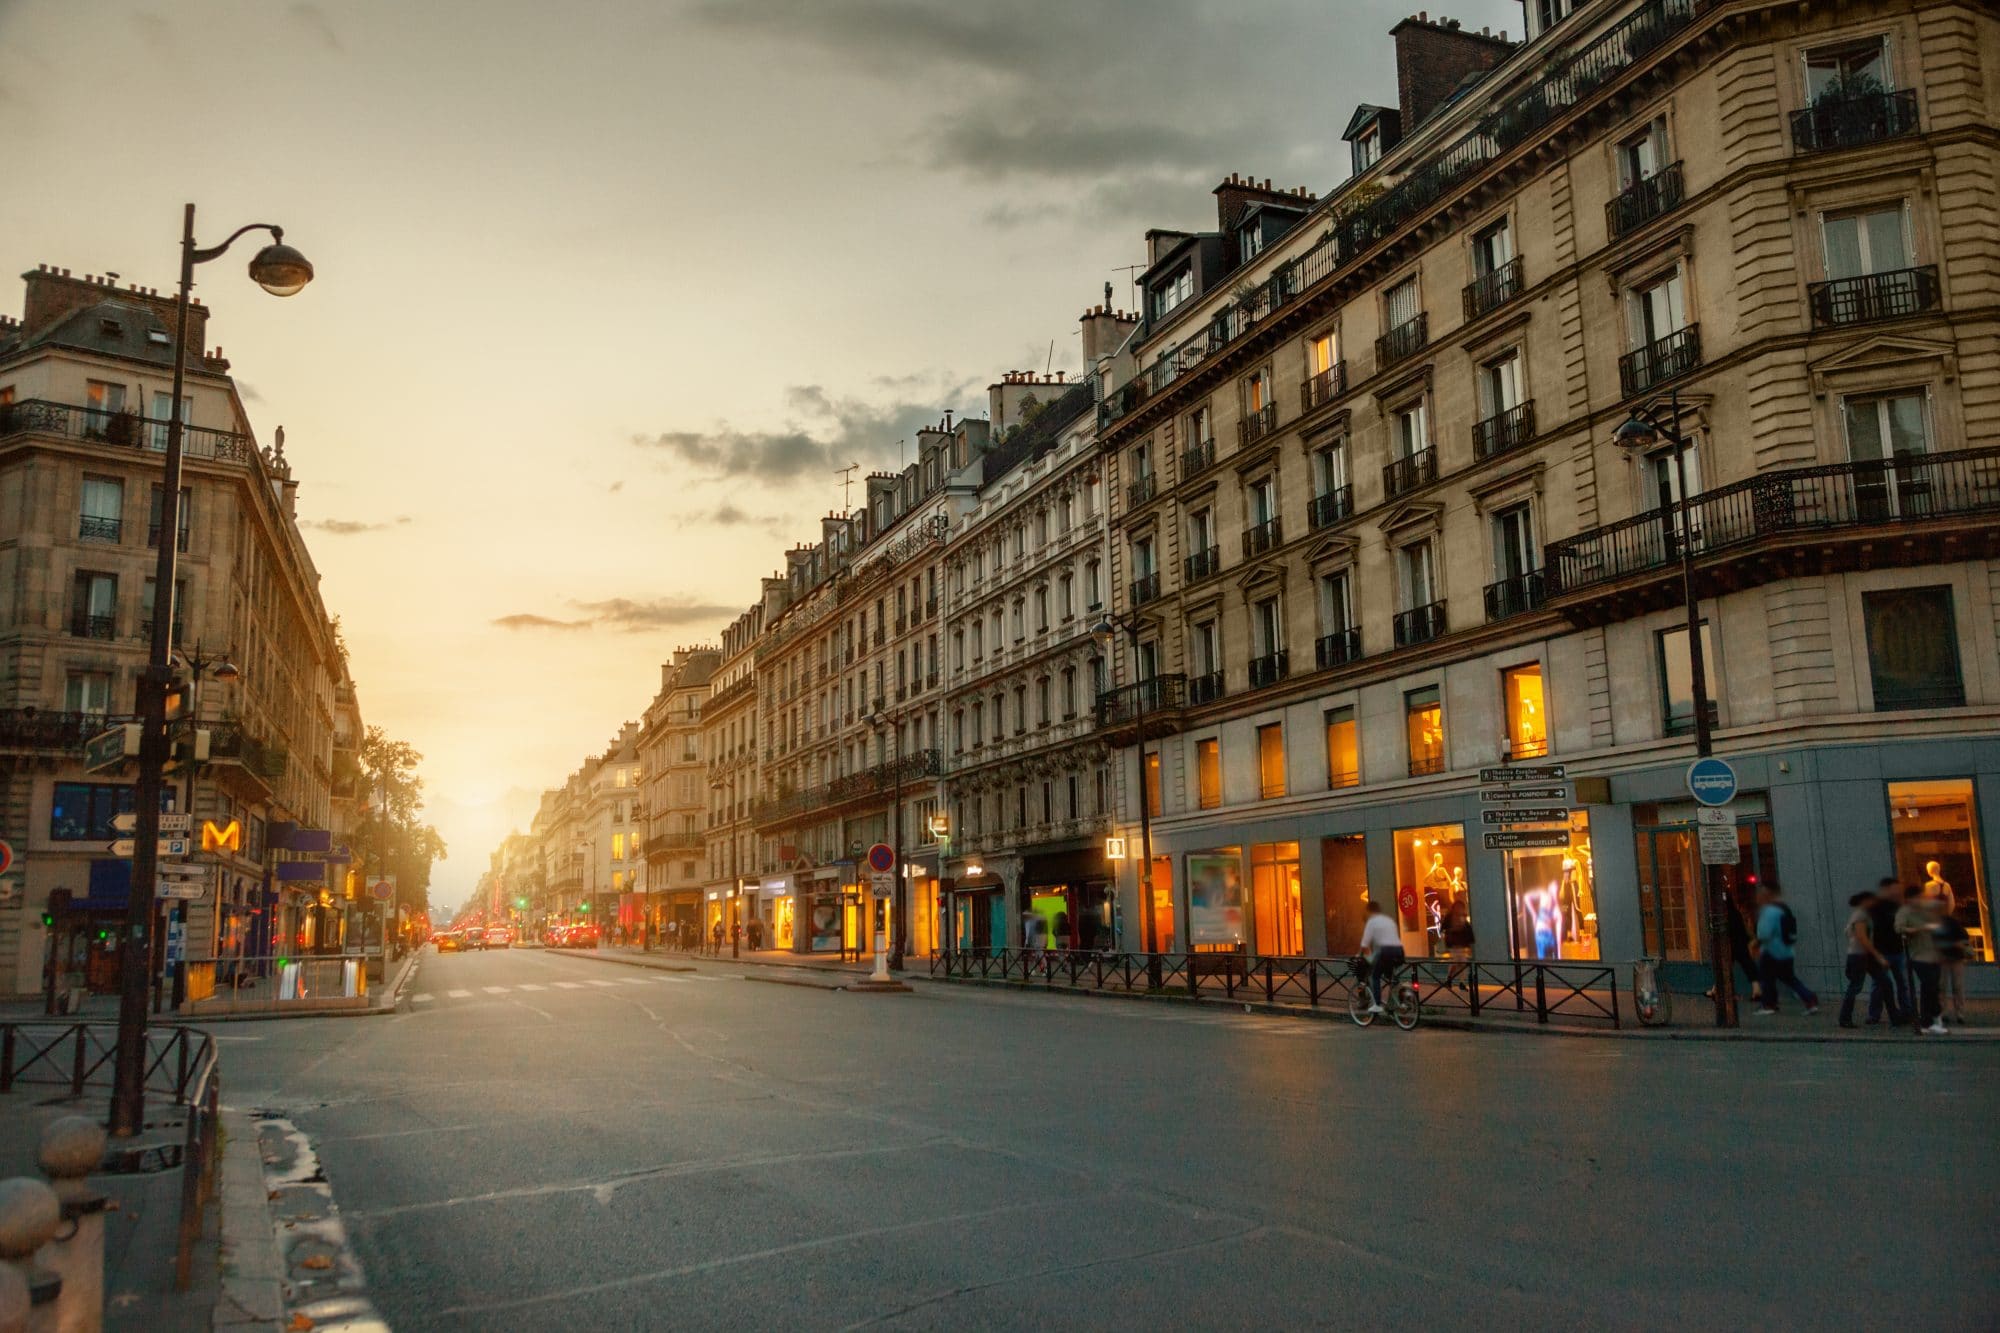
{"type": "Point", "coordinates": [198, 665]}
{"type": "Point", "coordinates": [1640, 433]}
{"type": "Point", "coordinates": [882, 719]}
{"type": "Point", "coordinates": [1104, 630]}
{"type": "Point", "coordinates": [281, 271]}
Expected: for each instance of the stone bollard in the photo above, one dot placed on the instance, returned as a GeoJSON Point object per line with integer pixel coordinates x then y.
{"type": "Point", "coordinates": [13, 1301]}
{"type": "Point", "coordinates": [71, 1149]}
{"type": "Point", "coordinates": [29, 1216]}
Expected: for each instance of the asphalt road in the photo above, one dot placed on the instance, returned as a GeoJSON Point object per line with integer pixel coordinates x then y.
{"type": "Point", "coordinates": [549, 1142]}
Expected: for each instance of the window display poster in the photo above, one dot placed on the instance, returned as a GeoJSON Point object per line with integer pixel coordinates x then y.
{"type": "Point", "coordinates": [826, 922]}
{"type": "Point", "coordinates": [1215, 897]}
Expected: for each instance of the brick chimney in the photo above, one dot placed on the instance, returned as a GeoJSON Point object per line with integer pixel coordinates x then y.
{"type": "Point", "coordinates": [1234, 196]}
{"type": "Point", "coordinates": [53, 295]}
{"type": "Point", "coordinates": [1434, 56]}
{"type": "Point", "coordinates": [1105, 331]}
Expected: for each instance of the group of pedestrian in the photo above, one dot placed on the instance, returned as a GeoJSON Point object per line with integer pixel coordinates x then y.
{"type": "Point", "coordinates": [1900, 939]}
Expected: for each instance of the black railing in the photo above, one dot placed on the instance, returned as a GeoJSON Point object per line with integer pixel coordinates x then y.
{"type": "Point", "coordinates": [1873, 296]}
{"type": "Point", "coordinates": [1205, 688]}
{"type": "Point", "coordinates": [85, 626]}
{"type": "Point", "coordinates": [1140, 491]}
{"type": "Point", "coordinates": [1324, 387]}
{"type": "Point", "coordinates": [1338, 648]}
{"type": "Point", "coordinates": [1258, 424]}
{"type": "Point", "coordinates": [153, 536]}
{"type": "Point", "coordinates": [1269, 669]}
{"type": "Point", "coordinates": [174, 634]}
{"type": "Point", "coordinates": [93, 529]}
{"type": "Point", "coordinates": [1331, 507]}
{"type": "Point", "coordinates": [1657, 362]}
{"type": "Point", "coordinates": [1202, 564]}
{"type": "Point", "coordinates": [1911, 488]}
{"type": "Point", "coordinates": [1854, 119]}
{"type": "Point", "coordinates": [229, 743]}
{"type": "Point", "coordinates": [1159, 694]}
{"type": "Point", "coordinates": [1504, 430]}
{"type": "Point", "coordinates": [1419, 624]}
{"type": "Point", "coordinates": [1263, 537]}
{"type": "Point", "coordinates": [1197, 459]}
{"type": "Point", "coordinates": [869, 784]}
{"type": "Point", "coordinates": [125, 430]}
{"type": "Point", "coordinates": [1643, 200]}
{"type": "Point", "coordinates": [1493, 289]}
{"type": "Point", "coordinates": [1512, 596]}
{"type": "Point", "coordinates": [1144, 588]}
{"type": "Point", "coordinates": [33, 729]}
{"type": "Point", "coordinates": [1409, 472]}
{"type": "Point", "coordinates": [1403, 341]}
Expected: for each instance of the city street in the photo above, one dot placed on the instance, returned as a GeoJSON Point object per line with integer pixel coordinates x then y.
{"type": "Point", "coordinates": [543, 1141]}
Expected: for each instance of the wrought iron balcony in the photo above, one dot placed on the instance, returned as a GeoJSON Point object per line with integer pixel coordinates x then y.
{"type": "Point", "coordinates": [1263, 537]}
{"type": "Point", "coordinates": [1338, 648]}
{"type": "Point", "coordinates": [1205, 689]}
{"type": "Point", "coordinates": [92, 529]}
{"type": "Point", "coordinates": [1159, 695]}
{"type": "Point", "coordinates": [229, 743]}
{"type": "Point", "coordinates": [1197, 458]}
{"type": "Point", "coordinates": [1511, 597]}
{"type": "Point", "coordinates": [174, 633]}
{"type": "Point", "coordinates": [1873, 296]}
{"type": "Point", "coordinates": [1493, 289]}
{"type": "Point", "coordinates": [1409, 472]}
{"type": "Point", "coordinates": [1269, 669]}
{"type": "Point", "coordinates": [125, 430]}
{"type": "Point", "coordinates": [1258, 424]}
{"type": "Point", "coordinates": [1504, 430]}
{"type": "Point", "coordinates": [85, 626]}
{"type": "Point", "coordinates": [1658, 362]}
{"type": "Point", "coordinates": [1142, 490]}
{"type": "Point", "coordinates": [1419, 624]}
{"type": "Point", "coordinates": [1854, 119]}
{"type": "Point", "coordinates": [1403, 341]}
{"type": "Point", "coordinates": [1323, 387]}
{"type": "Point", "coordinates": [1202, 564]}
{"type": "Point", "coordinates": [1331, 507]}
{"type": "Point", "coordinates": [1144, 588]}
{"type": "Point", "coordinates": [153, 536]}
{"type": "Point", "coordinates": [1643, 200]}
{"type": "Point", "coordinates": [35, 729]}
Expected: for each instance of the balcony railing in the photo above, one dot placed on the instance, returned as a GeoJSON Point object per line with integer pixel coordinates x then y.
{"type": "Point", "coordinates": [34, 729]}
{"type": "Point", "coordinates": [92, 529]}
{"type": "Point", "coordinates": [124, 430]}
{"type": "Point", "coordinates": [1419, 624]}
{"type": "Point", "coordinates": [1512, 596]}
{"type": "Point", "coordinates": [1144, 588]}
{"type": "Point", "coordinates": [1331, 507]}
{"type": "Point", "coordinates": [146, 631]}
{"type": "Point", "coordinates": [1263, 537]}
{"type": "Point", "coordinates": [1853, 120]}
{"type": "Point", "coordinates": [153, 536]}
{"type": "Point", "coordinates": [1643, 200]}
{"type": "Point", "coordinates": [1258, 424]}
{"type": "Point", "coordinates": [1269, 669]}
{"type": "Point", "coordinates": [1911, 488]}
{"type": "Point", "coordinates": [1141, 491]}
{"type": "Point", "coordinates": [1338, 648]}
{"type": "Point", "coordinates": [1205, 688]}
{"type": "Point", "coordinates": [869, 784]}
{"type": "Point", "coordinates": [1493, 289]}
{"type": "Point", "coordinates": [229, 743]}
{"type": "Point", "coordinates": [1403, 341]}
{"type": "Point", "coordinates": [1197, 459]}
{"type": "Point", "coordinates": [1504, 430]}
{"type": "Point", "coordinates": [1654, 364]}
{"type": "Point", "coordinates": [85, 626]}
{"type": "Point", "coordinates": [1202, 564]}
{"type": "Point", "coordinates": [1873, 296]}
{"type": "Point", "coordinates": [1160, 694]}
{"type": "Point", "coordinates": [1324, 387]}
{"type": "Point", "coordinates": [1409, 472]}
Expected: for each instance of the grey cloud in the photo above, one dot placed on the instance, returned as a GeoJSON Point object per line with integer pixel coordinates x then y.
{"type": "Point", "coordinates": [659, 613]}
{"type": "Point", "coordinates": [616, 486]}
{"type": "Point", "coordinates": [314, 20]}
{"type": "Point", "coordinates": [834, 433]}
{"type": "Point", "coordinates": [527, 620]}
{"type": "Point", "coordinates": [348, 527]}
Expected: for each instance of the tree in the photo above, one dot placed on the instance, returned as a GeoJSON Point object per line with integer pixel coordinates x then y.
{"type": "Point", "coordinates": [392, 837]}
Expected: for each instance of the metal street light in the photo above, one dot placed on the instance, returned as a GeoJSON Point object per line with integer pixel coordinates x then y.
{"type": "Point", "coordinates": [882, 719]}
{"type": "Point", "coordinates": [282, 271]}
{"type": "Point", "coordinates": [1105, 630]}
{"type": "Point", "coordinates": [1639, 434]}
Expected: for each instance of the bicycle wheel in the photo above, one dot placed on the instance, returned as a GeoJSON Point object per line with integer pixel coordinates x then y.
{"type": "Point", "coordinates": [1357, 1004]}
{"type": "Point", "coordinates": [1404, 1008]}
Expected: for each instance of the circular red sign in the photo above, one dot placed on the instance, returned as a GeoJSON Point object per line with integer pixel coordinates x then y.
{"type": "Point", "coordinates": [1406, 899]}
{"type": "Point", "coordinates": [881, 858]}
{"type": "Point", "coordinates": [6, 857]}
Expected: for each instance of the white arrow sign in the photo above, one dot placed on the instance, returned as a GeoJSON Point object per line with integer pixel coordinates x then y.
{"type": "Point", "coordinates": [169, 823]}
{"type": "Point", "coordinates": [180, 890]}
{"type": "Point", "coordinates": [182, 870]}
{"type": "Point", "coordinates": [165, 846]}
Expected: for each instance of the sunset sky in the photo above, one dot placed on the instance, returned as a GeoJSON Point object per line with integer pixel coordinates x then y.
{"type": "Point", "coordinates": [607, 289]}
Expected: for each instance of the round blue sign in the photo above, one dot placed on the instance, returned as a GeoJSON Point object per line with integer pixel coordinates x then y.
{"type": "Point", "coordinates": [1711, 781]}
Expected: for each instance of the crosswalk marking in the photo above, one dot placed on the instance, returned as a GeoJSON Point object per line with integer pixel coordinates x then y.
{"type": "Point", "coordinates": [532, 985]}
{"type": "Point", "coordinates": [604, 983]}
{"type": "Point", "coordinates": [672, 981]}
{"type": "Point", "coordinates": [570, 985]}
{"type": "Point", "coordinates": [635, 981]}
{"type": "Point", "coordinates": [425, 998]}
{"type": "Point", "coordinates": [459, 994]}
{"type": "Point", "coordinates": [496, 990]}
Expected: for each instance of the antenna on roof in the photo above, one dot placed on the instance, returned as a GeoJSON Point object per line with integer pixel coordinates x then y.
{"type": "Point", "coordinates": [846, 475]}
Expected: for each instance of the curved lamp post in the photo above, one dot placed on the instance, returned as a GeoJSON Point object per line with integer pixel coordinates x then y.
{"type": "Point", "coordinates": [886, 720]}
{"type": "Point", "coordinates": [1105, 630]}
{"type": "Point", "coordinates": [282, 271]}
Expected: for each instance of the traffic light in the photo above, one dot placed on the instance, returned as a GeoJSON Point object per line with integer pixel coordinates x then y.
{"type": "Point", "coordinates": [584, 906]}
{"type": "Point", "coordinates": [176, 698]}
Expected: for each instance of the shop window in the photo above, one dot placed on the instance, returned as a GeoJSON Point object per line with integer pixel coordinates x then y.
{"type": "Point", "coordinates": [1932, 825]}
{"type": "Point", "coordinates": [1527, 713]}
{"type": "Point", "coordinates": [1215, 900]}
{"type": "Point", "coordinates": [1208, 773]}
{"type": "Point", "coordinates": [1672, 889]}
{"type": "Point", "coordinates": [1164, 938]}
{"type": "Point", "coordinates": [1271, 762]}
{"type": "Point", "coordinates": [83, 811]}
{"type": "Point", "coordinates": [1913, 649]}
{"type": "Point", "coordinates": [1343, 748]}
{"type": "Point", "coordinates": [1677, 678]}
{"type": "Point", "coordinates": [1274, 897]}
{"type": "Point", "coordinates": [1430, 886]}
{"type": "Point", "coordinates": [1552, 898]}
{"type": "Point", "coordinates": [1153, 784]}
{"type": "Point", "coordinates": [1344, 888]}
{"type": "Point", "coordinates": [1423, 721]}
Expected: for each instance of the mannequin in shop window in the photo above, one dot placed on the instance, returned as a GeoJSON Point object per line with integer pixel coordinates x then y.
{"type": "Point", "coordinates": [1937, 886]}
{"type": "Point", "coordinates": [1437, 892]}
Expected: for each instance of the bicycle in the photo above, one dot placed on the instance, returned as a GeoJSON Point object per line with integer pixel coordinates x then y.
{"type": "Point", "coordinates": [1399, 999]}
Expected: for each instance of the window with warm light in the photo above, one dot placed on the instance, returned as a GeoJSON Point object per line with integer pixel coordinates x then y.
{"type": "Point", "coordinates": [1277, 917]}
{"type": "Point", "coordinates": [1153, 783]}
{"type": "Point", "coordinates": [1343, 748]}
{"type": "Point", "coordinates": [1208, 773]}
{"type": "Point", "coordinates": [1527, 713]}
{"type": "Point", "coordinates": [1423, 720]}
{"type": "Point", "coordinates": [1271, 760]}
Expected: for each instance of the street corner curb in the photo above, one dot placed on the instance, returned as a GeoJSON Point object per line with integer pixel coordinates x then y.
{"type": "Point", "coordinates": [639, 963]}
{"type": "Point", "coordinates": [797, 981]}
{"type": "Point", "coordinates": [250, 1291]}
{"type": "Point", "coordinates": [871, 987]}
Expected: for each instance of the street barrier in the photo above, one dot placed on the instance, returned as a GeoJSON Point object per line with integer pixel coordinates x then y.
{"type": "Point", "coordinates": [259, 983]}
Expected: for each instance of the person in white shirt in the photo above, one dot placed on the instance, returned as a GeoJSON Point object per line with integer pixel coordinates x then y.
{"type": "Point", "coordinates": [1382, 946]}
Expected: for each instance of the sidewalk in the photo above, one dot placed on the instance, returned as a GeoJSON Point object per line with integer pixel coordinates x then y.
{"type": "Point", "coordinates": [104, 1008]}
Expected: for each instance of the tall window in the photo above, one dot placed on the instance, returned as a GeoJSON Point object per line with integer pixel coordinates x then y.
{"type": "Point", "coordinates": [1336, 602]}
{"type": "Point", "coordinates": [1205, 647]}
{"type": "Point", "coordinates": [1041, 609]}
{"type": "Point", "coordinates": [1853, 67]}
{"type": "Point", "coordinates": [102, 401]}
{"type": "Point", "coordinates": [1423, 724]}
{"type": "Point", "coordinates": [103, 516]}
{"type": "Point", "coordinates": [1068, 692]}
{"type": "Point", "coordinates": [1659, 308]}
{"type": "Point", "coordinates": [1093, 587]}
{"type": "Point", "coordinates": [1201, 532]}
{"type": "Point", "coordinates": [1642, 155]}
{"type": "Point", "coordinates": [1172, 289]}
{"type": "Point", "coordinates": [1871, 240]}
{"type": "Point", "coordinates": [1885, 433]}
{"type": "Point", "coordinates": [1066, 596]}
{"type": "Point", "coordinates": [1343, 748]}
{"type": "Point", "coordinates": [1268, 622]}
{"type": "Point", "coordinates": [1153, 783]}
{"type": "Point", "coordinates": [1513, 543]}
{"type": "Point", "coordinates": [1142, 461]}
{"type": "Point", "coordinates": [1042, 718]}
{"type": "Point", "coordinates": [1500, 384]}
{"type": "Point", "coordinates": [1416, 565]}
{"type": "Point", "coordinates": [1262, 499]}
{"type": "Point", "coordinates": [1208, 773]}
{"type": "Point", "coordinates": [1399, 304]}
{"type": "Point", "coordinates": [1271, 760]}
{"type": "Point", "coordinates": [1913, 648]}
{"type": "Point", "coordinates": [1411, 430]}
{"type": "Point", "coordinates": [1324, 353]}
{"type": "Point", "coordinates": [1677, 677]}
{"type": "Point", "coordinates": [1492, 248]}
{"type": "Point", "coordinates": [88, 692]}
{"type": "Point", "coordinates": [182, 515]}
{"type": "Point", "coordinates": [1256, 392]}
{"type": "Point", "coordinates": [1198, 432]}
{"type": "Point", "coordinates": [1527, 712]}
{"type": "Point", "coordinates": [95, 604]}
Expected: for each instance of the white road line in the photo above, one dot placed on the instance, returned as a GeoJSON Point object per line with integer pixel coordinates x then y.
{"type": "Point", "coordinates": [672, 981]}
{"type": "Point", "coordinates": [497, 990]}
{"type": "Point", "coordinates": [425, 998]}
{"type": "Point", "coordinates": [635, 981]}
{"type": "Point", "coordinates": [604, 983]}
{"type": "Point", "coordinates": [530, 985]}
{"type": "Point", "coordinates": [702, 976]}
{"type": "Point", "coordinates": [459, 994]}
{"type": "Point", "coordinates": [570, 985]}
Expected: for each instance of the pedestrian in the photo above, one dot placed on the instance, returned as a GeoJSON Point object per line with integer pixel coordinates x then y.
{"type": "Point", "coordinates": [1888, 900]}
{"type": "Point", "coordinates": [1382, 946]}
{"type": "Point", "coordinates": [1741, 953]}
{"type": "Point", "coordinates": [1953, 942]}
{"type": "Point", "coordinates": [1864, 960]}
{"type": "Point", "coordinates": [715, 936]}
{"type": "Point", "coordinates": [1916, 922]}
{"type": "Point", "coordinates": [1777, 934]}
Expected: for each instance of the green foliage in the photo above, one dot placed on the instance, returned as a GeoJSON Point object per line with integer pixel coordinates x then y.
{"type": "Point", "coordinates": [392, 837]}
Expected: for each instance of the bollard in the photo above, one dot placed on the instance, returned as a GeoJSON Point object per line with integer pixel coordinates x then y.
{"type": "Point", "coordinates": [13, 1301]}
{"type": "Point", "coordinates": [29, 1216]}
{"type": "Point", "coordinates": [71, 1149]}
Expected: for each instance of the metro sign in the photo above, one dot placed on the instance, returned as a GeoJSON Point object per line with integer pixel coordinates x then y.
{"type": "Point", "coordinates": [221, 838]}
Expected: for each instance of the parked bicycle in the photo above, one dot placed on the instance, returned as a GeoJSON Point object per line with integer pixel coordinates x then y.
{"type": "Point", "coordinates": [1399, 998]}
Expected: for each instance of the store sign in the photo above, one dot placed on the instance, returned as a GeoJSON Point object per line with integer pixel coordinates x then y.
{"type": "Point", "coordinates": [1520, 839]}
{"type": "Point", "coordinates": [226, 837]}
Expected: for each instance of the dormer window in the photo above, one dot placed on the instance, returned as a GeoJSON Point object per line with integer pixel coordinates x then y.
{"type": "Point", "coordinates": [1172, 289]}
{"type": "Point", "coordinates": [1250, 242]}
{"type": "Point", "coordinates": [157, 337]}
{"type": "Point", "coordinates": [1367, 148]}
{"type": "Point", "coordinates": [111, 328]}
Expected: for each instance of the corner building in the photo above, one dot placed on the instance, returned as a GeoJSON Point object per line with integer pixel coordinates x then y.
{"type": "Point", "coordinates": [1369, 512]}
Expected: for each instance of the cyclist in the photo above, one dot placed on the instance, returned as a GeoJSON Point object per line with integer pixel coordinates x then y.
{"type": "Point", "coordinates": [1382, 946]}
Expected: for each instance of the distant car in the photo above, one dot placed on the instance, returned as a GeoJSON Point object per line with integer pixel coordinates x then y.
{"type": "Point", "coordinates": [449, 942]}
{"type": "Point", "coordinates": [578, 937]}
{"type": "Point", "coordinates": [496, 937]}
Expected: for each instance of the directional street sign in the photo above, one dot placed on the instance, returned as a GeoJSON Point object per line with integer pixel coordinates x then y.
{"type": "Point", "coordinates": [108, 749]}
{"type": "Point", "coordinates": [1544, 814]}
{"type": "Point", "coordinates": [182, 870]}
{"type": "Point", "coordinates": [169, 822]}
{"type": "Point", "coordinates": [166, 846]}
{"type": "Point", "coordinates": [1521, 795]}
{"type": "Point", "coordinates": [1513, 839]}
{"type": "Point", "coordinates": [1524, 773]}
{"type": "Point", "coordinates": [181, 890]}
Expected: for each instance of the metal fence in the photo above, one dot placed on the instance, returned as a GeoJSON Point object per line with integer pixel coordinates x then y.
{"type": "Point", "coordinates": [1547, 992]}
